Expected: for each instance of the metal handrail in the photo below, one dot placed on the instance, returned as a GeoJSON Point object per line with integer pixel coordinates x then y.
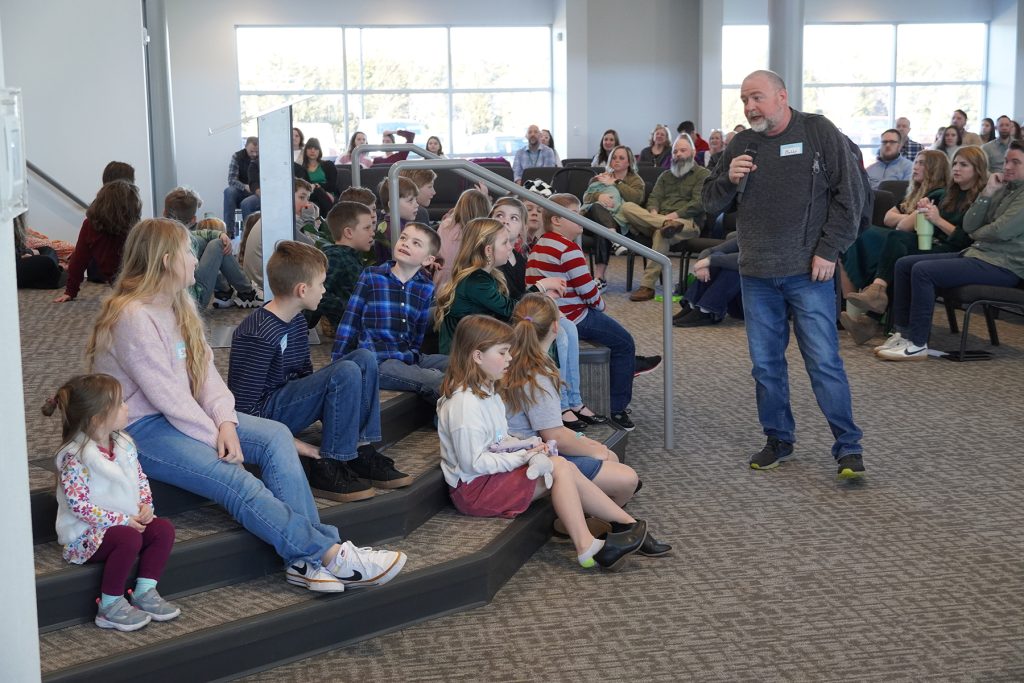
{"type": "Point", "coordinates": [507, 186]}
{"type": "Point", "coordinates": [53, 181]}
{"type": "Point", "coordinates": [402, 147]}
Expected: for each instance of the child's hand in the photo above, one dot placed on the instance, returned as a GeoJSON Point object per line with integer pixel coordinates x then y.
{"type": "Point", "coordinates": [229, 449]}
{"type": "Point", "coordinates": [555, 284]}
{"type": "Point", "coordinates": [145, 515]}
{"type": "Point", "coordinates": [134, 523]}
{"type": "Point", "coordinates": [225, 243]}
{"type": "Point", "coordinates": [62, 299]}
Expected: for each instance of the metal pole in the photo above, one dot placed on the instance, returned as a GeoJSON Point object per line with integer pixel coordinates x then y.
{"type": "Point", "coordinates": [507, 186]}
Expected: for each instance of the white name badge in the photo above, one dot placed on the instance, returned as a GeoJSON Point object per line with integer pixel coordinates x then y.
{"type": "Point", "coordinates": [284, 343]}
{"type": "Point", "coordinates": [179, 350]}
{"type": "Point", "coordinates": [791, 150]}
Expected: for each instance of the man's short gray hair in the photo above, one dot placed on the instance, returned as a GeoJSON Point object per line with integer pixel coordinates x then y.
{"type": "Point", "coordinates": [775, 78]}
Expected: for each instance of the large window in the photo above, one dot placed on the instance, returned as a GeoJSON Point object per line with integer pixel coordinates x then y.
{"type": "Point", "coordinates": [429, 80]}
{"type": "Point", "coordinates": [744, 49]}
{"type": "Point", "coordinates": [865, 76]}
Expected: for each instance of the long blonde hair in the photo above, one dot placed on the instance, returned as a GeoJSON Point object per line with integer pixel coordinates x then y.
{"type": "Point", "coordinates": [142, 276]}
{"type": "Point", "coordinates": [473, 333]}
{"type": "Point", "coordinates": [936, 175]}
{"type": "Point", "coordinates": [532, 320]}
{"type": "Point", "coordinates": [477, 235]}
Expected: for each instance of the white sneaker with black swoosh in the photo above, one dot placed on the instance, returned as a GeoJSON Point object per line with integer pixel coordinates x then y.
{"type": "Point", "coordinates": [316, 579]}
{"type": "Point", "coordinates": [361, 567]}
{"type": "Point", "coordinates": [903, 350]}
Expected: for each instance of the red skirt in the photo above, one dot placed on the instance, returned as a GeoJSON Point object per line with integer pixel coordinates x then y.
{"type": "Point", "coordinates": [505, 494]}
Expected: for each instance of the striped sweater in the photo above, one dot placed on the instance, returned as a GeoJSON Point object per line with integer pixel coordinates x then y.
{"type": "Point", "coordinates": [556, 256]}
{"type": "Point", "coordinates": [266, 353]}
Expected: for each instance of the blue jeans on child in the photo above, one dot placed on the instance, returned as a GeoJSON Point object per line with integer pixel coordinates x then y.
{"type": "Point", "coordinates": [767, 302]}
{"type": "Point", "coordinates": [343, 395]}
{"type": "Point", "coordinates": [603, 329]}
{"type": "Point", "coordinates": [424, 377]}
{"type": "Point", "coordinates": [918, 276]}
{"type": "Point", "coordinates": [279, 509]}
{"type": "Point", "coordinates": [216, 271]}
{"type": "Point", "coordinates": [567, 344]}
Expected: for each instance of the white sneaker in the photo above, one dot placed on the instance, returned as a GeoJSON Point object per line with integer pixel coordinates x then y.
{"type": "Point", "coordinates": [602, 284]}
{"type": "Point", "coordinates": [361, 567]}
{"type": "Point", "coordinates": [619, 249]}
{"type": "Point", "coordinates": [904, 350]}
{"type": "Point", "coordinates": [316, 579]}
{"type": "Point", "coordinates": [223, 300]}
{"type": "Point", "coordinates": [894, 339]}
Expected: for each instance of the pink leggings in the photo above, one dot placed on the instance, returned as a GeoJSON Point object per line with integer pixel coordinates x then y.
{"type": "Point", "coordinates": [123, 544]}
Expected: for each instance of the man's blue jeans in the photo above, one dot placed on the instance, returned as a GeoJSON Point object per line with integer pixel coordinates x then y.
{"type": "Point", "coordinates": [233, 200]}
{"type": "Point", "coordinates": [767, 303]}
{"type": "Point", "coordinates": [603, 329]}
{"type": "Point", "coordinates": [424, 377]}
{"type": "Point", "coordinates": [279, 509]}
{"type": "Point", "coordinates": [344, 396]}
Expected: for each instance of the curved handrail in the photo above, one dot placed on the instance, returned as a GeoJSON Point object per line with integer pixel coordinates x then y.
{"type": "Point", "coordinates": [56, 184]}
{"type": "Point", "coordinates": [402, 147]}
{"type": "Point", "coordinates": [494, 180]}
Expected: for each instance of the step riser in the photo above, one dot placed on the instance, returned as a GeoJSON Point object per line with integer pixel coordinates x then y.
{"type": "Point", "coordinates": [266, 641]}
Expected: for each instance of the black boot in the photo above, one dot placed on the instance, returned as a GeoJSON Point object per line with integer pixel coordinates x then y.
{"type": "Point", "coordinates": [620, 544]}
{"type": "Point", "coordinates": [652, 547]}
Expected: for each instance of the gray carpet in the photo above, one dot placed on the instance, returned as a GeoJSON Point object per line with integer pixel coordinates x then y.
{"type": "Point", "coordinates": [782, 575]}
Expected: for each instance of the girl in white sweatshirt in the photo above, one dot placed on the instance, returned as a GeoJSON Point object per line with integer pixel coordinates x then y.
{"type": "Point", "coordinates": [104, 504]}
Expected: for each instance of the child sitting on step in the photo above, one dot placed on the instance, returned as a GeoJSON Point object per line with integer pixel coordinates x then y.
{"type": "Point", "coordinates": [491, 474]}
{"type": "Point", "coordinates": [104, 505]}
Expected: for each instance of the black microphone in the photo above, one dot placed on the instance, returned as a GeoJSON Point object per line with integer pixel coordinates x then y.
{"type": "Point", "coordinates": [751, 150]}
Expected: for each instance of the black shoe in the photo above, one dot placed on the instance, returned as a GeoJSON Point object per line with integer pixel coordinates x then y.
{"type": "Point", "coordinates": [645, 364]}
{"type": "Point", "coordinates": [594, 419]}
{"type": "Point", "coordinates": [622, 421]}
{"type": "Point", "coordinates": [652, 547]}
{"type": "Point", "coordinates": [851, 466]}
{"type": "Point", "coordinates": [575, 425]}
{"type": "Point", "coordinates": [696, 318]}
{"type": "Point", "coordinates": [250, 299]}
{"type": "Point", "coordinates": [773, 453]}
{"type": "Point", "coordinates": [332, 479]}
{"type": "Point", "coordinates": [619, 545]}
{"type": "Point", "coordinates": [685, 308]}
{"type": "Point", "coordinates": [378, 470]}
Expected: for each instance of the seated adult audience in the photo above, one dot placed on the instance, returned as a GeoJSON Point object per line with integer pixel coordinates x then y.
{"type": "Point", "coordinates": [434, 146]}
{"type": "Point", "coordinates": [950, 142]}
{"type": "Point", "coordinates": [547, 139]}
{"type": "Point", "coordinates": [108, 220]}
{"type": "Point", "coordinates": [358, 138]}
{"type": "Point", "coordinates": [674, 210]}
{"type": "Point", "coordinates": [252, 248]}
{"type": "Point", "coordinates": [238, 187]}
{"type": "Point", "coordinates": [609, 141]}
{"type": "Point", "coordinates": [716, 145]}
{"type": "Point", "coordinates": [699, 143]}
{"type": "Point", "coordinates": [988, 130]}
{"type": "Point", "coordinates": [995, 149]}
{"type": "Point", "coordinates": [534, 155]}
{"type": "Point", "coordinates": [388, 138]}
{"type": "Point", "coordinates": [996, 224]}
{"type": "Point", "coordinates": [959, 121]}
{"type": "Point", "coordinates": [716, 290]}
{"type": "Point", "coordinates": [909, 148]}
{"type": "Point", "coordinates": [889, 164]}
{"type": "Point", "coordinates": [658, 152]}
{"type": "Point", "coordinates": [298, 145]}
{"type": "Point", "coordinates": [322, 176]}
{"type": "Point", "coordinates": [945, 211]}
{"type": "Point", "coordinates": [35, 268]}
{"type": "Point", "coordinates": [603, 201]}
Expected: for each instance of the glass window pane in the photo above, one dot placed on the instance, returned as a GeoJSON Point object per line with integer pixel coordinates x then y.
{"type": "Point", "coordinates": [860, 112]}
{"type": "Point", "coordinates": [289, 58]}
{"type": "Point", "coordinates": [941, 52]}
{"type": "Point", "coordinates": [400, 58]}
{"type": "Point", "coordinates": [496, 123]}
{"type": "Point", "coordinates": [931, 107]}
{"type": "Point", "coordinates": [732, 109]}
{"type": "Point", "coordinates": [476, 68]}
{"type": "Point", "coordinates": [846, 53]}
{"type": "Point", "coordinates": [744, 49]}
{"type": "Point", "coordinates": [421, 113]}
{"type": "Point", "coordinates": [321, 117]}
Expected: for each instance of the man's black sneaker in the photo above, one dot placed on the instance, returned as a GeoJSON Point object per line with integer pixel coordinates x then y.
{"type": "Point", "coordinates": [645, 364]}
{"type": "Point", "coordinates": [773, 453]}
{"type": "Point", "coordinates": [696, 318]}
{"type": "Point", "coordinates": [378, 470]}
{"type": "Point", "coordinates": [332, 479]}
{"type": "Point", "coordinates": [622, 421]}
{"type": "Point", "coordinates": [685, 308]}
{"type": "Point", "coordinates": [851, 466]}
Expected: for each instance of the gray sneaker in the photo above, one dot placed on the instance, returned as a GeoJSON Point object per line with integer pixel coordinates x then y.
{"type": "Point", "coordinates": [155, 606]}
{"type": "Point", "coordinates": [121, 616]}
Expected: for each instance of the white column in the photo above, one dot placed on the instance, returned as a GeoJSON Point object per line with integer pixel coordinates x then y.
{"type": "Point", "coordinates": [786, 45]}
{"type": "Point", "coordinates": [712, 15]}
{"type": "Point", "coordinates": [277, 206]}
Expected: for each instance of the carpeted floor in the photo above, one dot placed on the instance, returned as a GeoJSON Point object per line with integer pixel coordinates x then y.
{"type": "Point", "coordinates": [918, 573]}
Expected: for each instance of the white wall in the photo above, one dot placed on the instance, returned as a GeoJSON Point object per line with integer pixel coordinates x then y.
{"type": "Point", "coordinates": [19, 639]}
{"type": "Point", "coordinates": [81, 68]}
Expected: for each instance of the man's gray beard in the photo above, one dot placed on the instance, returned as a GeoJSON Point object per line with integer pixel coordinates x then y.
{"type": "Point", "coordinates": [681, 168]}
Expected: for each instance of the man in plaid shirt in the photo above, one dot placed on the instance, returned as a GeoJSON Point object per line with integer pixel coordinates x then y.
{"type": "Point", "coordinates": [388, 314]}
{"type": "Point", "coordinates": [909, 149]}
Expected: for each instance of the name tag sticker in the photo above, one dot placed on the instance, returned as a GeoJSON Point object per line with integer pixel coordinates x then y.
{"type": "Point", "coordinates": [284, 343]}
{"type": "Point", "coordinates": [791, 150]}
{"type": "Point", "coordinates": [179, 350]}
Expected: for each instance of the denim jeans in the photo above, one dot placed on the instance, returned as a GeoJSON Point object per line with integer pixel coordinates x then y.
{"type": "Point", "coordinates": [718, 296]}
{"type": "Point", "coordinates": [603, 329]}
{"type": "Point", "coordinates": [918, 276]}
{"type": "Point", "coordinates": [567, 345]}
{"type": "Point", "coordinates": [213, 263]}
{"type": "Point", "coordinates": [233, 200]}
{"type": "Point", "coordinates": [279, 509]}
{"type": "Point", "coordinates": [249, 205]}
{"type": "Point", "coordinates": [767, 302]}
{"type": "Point", "coordinates": [424, 378]}
{"type": "Point", "coordinates": [344, 396]}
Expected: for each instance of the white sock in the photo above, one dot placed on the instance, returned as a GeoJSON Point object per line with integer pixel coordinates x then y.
{"type": "Point", "coordinates": [335, 564]}
{"type": "Point", "coordinates": [853, 310]}
{"type": "Point", "coordinates": [586, 558]}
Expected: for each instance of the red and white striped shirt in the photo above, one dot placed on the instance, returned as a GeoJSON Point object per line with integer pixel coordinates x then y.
{"type": "Point", "coordinates": [555, 256]}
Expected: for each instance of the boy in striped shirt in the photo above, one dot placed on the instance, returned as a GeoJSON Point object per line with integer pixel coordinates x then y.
{"type": "Point", "coordinates": [556, 254]}
{"type": "Point", "coordinates": [271, 375]}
